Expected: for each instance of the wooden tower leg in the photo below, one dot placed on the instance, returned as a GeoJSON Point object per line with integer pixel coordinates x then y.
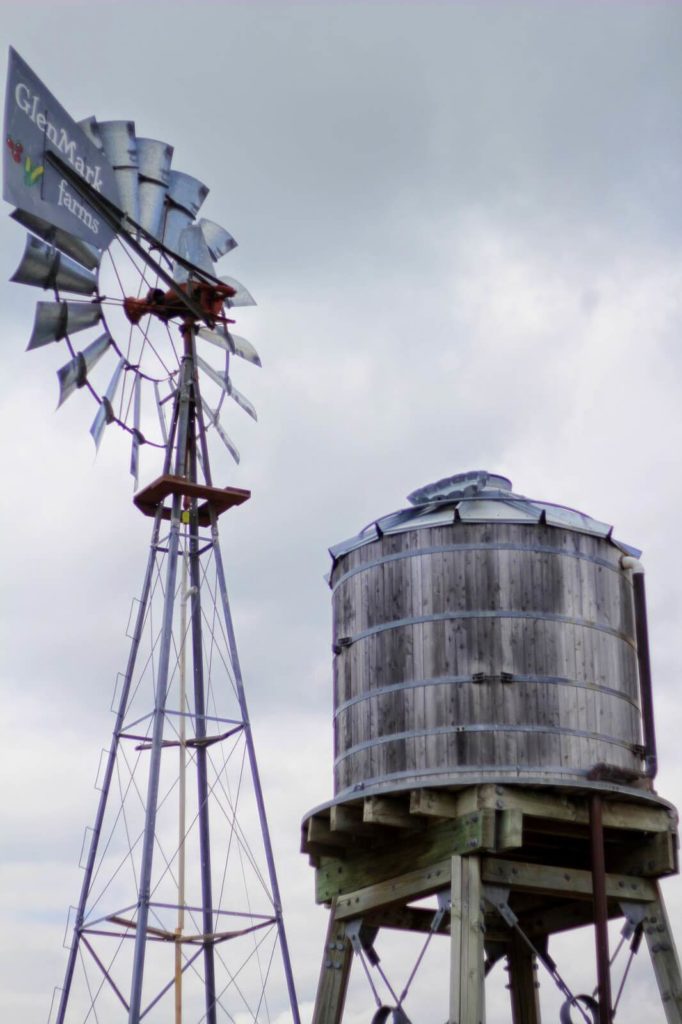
{"type": "Point", "coordinates": [467, 1005]}
{"type": "Point", "coordinates": [523, 983]}
{"type": "Point", "coordinates": [334, 974]}
{"type": "Point", "coordinates": [664, 958]}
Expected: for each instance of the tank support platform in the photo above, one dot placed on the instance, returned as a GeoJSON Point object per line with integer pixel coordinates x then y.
{"type": "Point", "coordinates": [513, 866]}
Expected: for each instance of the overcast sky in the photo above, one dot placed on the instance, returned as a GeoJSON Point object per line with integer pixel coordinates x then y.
{"type": "Point", "coordinates": [462, 223]}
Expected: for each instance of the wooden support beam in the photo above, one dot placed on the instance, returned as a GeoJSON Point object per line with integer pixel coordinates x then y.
{"type": "Point", "coordinates": [408, 886]}
{"type": "Point", "coordinates": [407, 919]}
{"type": "Point", "coordinates": [347, 818]}
{"type": "Point", "coordinates": [561, 917]}
{"type": "Point", "coordinates": [524, 988]}
{"type": "Point", "coordinates": [436, 803]}
{"type": "Point", "coordinates": [617, 814]}
{"type": "Point", "coordinates": [467, 976]}
{"type": "Point", "coordinates": [550, 806]}
{"type": "Point", "coordinates": [663, 954]}
{"type": "Point", "coordinates": [508, 830]}
{"type": "Point", "coordinates": [652, 857]}
{"type": "Point", "coordinates": [320, 832]}
{"type": "Point", "coordinates": [333, 983]}
{"type": "Point", "coordinates": [557, 880]}
{"type": "Point", "coordinates": [337, 876]}
{"type": "Point", "coordinates": [379, 810]}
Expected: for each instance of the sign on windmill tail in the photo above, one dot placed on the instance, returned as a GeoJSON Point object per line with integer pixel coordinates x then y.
{"type": "Point", "coordinates": [36, 123]}
{"type": "Point", "coordinates": [115, 235]}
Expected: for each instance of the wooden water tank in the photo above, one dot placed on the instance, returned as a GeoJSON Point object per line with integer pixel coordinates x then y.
{"type": "Point", "coordinates": [481, 636]}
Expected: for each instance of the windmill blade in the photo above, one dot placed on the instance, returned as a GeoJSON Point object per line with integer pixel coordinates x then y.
{"type": "Point", "coordinates": [224, 382]}
{"type": "Point", "coordinates": [220, 379]}
{"type": "Point", "coordinates": [78, 250]}
{"type": "Point", "coordinates": [193, 248]}
{"type": "Point", "coordinates": [218, 240]}
{"type": "Point", "coordinates": [233, 343]}
{"type": "Point", "coordinates": [159, 409]}
{"type": "Point", "coordinates": [137, 436]}
{"type": "Point", "coordinates": [105, 413]}
{"type": "Point", "coordinates": [184, 199]}
{"type": "Point", "coordinates": [154, 163]}
{"type": "Point", "coordinates": [241, 400]}
{"type": "Point", "coordinates": [244, 349]}
{"type": "Point", "coordinates": [91, 129]}
{"type": "Point", "coordinates": [224, 437]}
{"type": "Point", "coordinates": [120, 149]}
{"type": "Point", "coordinates": [44, 266]}
{"type": "Point", "coordinates": [54, 320]}
{"type": "Point", "coordinates": [242, 296]}
{"type": "Point", "coordinates": [74, 374]}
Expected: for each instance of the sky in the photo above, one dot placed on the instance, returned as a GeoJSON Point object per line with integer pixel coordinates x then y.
{"type": "Point", "coordinates": [462, 223]}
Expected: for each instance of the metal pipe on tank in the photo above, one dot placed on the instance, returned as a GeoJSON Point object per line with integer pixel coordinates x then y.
{"type": "Point", "coordinates": [644, 663]}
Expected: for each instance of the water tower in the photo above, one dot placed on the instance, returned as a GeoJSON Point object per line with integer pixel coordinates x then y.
{"type": "Point", "coordinates": [494, 747]}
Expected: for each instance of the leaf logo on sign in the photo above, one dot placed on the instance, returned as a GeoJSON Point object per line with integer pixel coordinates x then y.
{"type": "Point", "coordinates": [32, 174]}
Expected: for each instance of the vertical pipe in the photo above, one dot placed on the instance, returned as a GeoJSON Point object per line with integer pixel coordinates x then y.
{"type": "Point", "coordinates": [645, 685]}
{"type": "Point", "coordinates": [165, 646]}
{"type": "Point", "coordinates": [200, 733]}
{"type": "Point", "coordinates": [601, 917]}
{"type": "Point", "coordinates": [111, 760]}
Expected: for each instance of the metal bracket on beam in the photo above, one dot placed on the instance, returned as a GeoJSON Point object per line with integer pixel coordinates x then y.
{"type": "Point", "coordinates": [498, 897]}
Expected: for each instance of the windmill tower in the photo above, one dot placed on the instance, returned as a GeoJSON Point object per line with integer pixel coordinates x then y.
{"type": "Point", "coordinates": [179, 915]}
{"type": "Point", "coordinates": [494, 752]}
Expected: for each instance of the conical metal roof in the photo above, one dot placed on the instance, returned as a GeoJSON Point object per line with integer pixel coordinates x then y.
{"type": "Point", "coordinates": [476, 497]}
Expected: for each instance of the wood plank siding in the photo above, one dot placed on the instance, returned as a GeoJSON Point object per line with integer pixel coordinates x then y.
{"type": "Point", "coordinates": [473, 651]}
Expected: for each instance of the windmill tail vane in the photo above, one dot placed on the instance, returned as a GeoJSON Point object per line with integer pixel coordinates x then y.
{"type": "Point", "coordinates": [179, 914]}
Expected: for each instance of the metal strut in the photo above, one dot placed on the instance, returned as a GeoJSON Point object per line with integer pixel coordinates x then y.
{"type": "Point", "coordinates": [362, 939]}
{"type": "Point", "coordinates": [498, 898]}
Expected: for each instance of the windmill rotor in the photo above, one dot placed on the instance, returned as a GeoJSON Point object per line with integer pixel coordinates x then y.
{"type": "Point", "coordinates": [136, 296]}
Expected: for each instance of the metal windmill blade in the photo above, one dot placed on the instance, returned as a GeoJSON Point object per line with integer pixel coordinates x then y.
{"type": "Point", "coordinates": [154, 166]}
{"type": "Point", "coordinates": [44, 266]}
{"type": "Point", "coordinates": [75, 373]}
{"type": "Point", "coordinates": [138, 438]}
{"type": "Point", "coordinates": [213, 418]}
{"type": "Point", "coordinates": [91, 129]}
{"type": "Point", "coordinates": [105, 413]}
{"type": "Point", "coordinates": [193, 249]}
{"type": "Point", "coordinates": [233, 343]}
{"type": "Point", "coordinates": [185, 197]}
{"type": "Point", "coordinates": [119, 145]}
{"type": "Point", "coordinates": [223, 381]}
{"type": "Point", "coordinates": [54, 320]}
{"type": "Point", "coordinates": [242, 297]}
{"type": "Point", "coordinates": [87, 255]}
{"type": "Point", "coordinates": [218, 240]}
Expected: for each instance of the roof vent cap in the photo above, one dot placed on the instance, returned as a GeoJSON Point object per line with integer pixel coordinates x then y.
{"type": "Point", "coordinates": [461, 485]}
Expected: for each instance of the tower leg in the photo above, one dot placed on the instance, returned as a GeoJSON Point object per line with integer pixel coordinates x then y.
{"type": "Point", "coordinates": [334, 975]}
{"type": "Point", "coordinates": [467, 1002]}
{"type": "Point", "coordinates": [664, 958]}
{"type": "Point", "coordinates": [523, 983]}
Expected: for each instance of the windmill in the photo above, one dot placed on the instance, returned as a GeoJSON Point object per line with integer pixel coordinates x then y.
{"type": "Point", "coordinates": [179, 910]}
